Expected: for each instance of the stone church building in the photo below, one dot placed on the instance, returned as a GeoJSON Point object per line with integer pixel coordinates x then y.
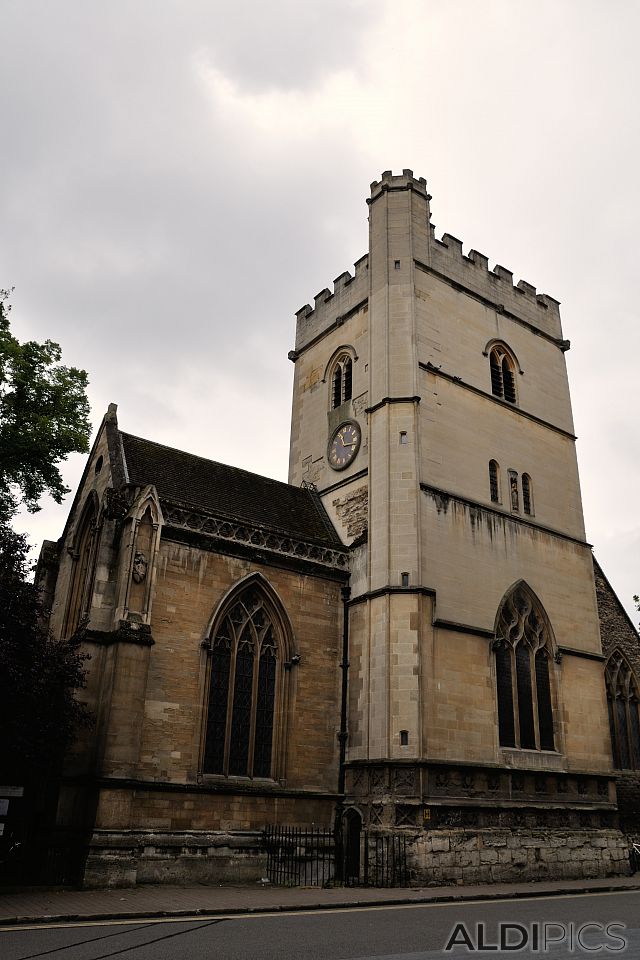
{"type": "Point", "coordinates": [405, 635]}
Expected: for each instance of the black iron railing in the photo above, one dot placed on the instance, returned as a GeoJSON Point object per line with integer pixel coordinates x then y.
{"type": "Point", "coordinates": [319, 857]}
{"type": "Point", "coordinates": [297, 857]}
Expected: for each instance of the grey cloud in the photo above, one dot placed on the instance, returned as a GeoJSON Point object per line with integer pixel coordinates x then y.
{"type": "Point", "coordinates": [165, 240]}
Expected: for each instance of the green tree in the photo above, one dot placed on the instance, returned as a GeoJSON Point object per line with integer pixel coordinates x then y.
{"type": "Point", "coordinates": [44, 416]}
{"type": "Point", "coordinates": [39, 674]}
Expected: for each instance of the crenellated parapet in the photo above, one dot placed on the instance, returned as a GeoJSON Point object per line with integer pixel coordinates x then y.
{"type": "Point", "coordinates": [444, 257]}
{"type": "Point", "coordinates": [472, 271]}
{"type": "Point", "coordinates": [404, 181]}
{"type": "Point", "coordinates": [496, 286]}
{"type": "Point", "coordinates": [350, 291]}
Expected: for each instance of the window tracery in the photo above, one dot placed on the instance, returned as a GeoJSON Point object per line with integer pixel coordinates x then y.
{"type": "Point", "coordinates": [522, 654]}
{"type": "Point", "coordinates": [503, 379]}
{"type": "Point", "coordinates": [623, 703]}
{"type": "Point", "coordinates": [82, 552]}
{"type": "Point", "coordinates": [342, 381]}
{"type": "Point", "coordinates": [245, 684]}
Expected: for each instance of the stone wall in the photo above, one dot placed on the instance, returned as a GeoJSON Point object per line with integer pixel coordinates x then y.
{"type": "Point", "coordinates": [616, 629]}
{"type": "Point", "coordinates": [498, 856]}
{"type": "Point", "coordinates": [131, 857]}
{"type": "Point", "coordinates": [433, 858]}
{"type": "Point", "coordinates": [313, 419]}
{"type": "Point", "coordinates": [352, 511]}
{"type": "Point", "coordinates": [628, 791]}
{"type": "Point", "coordinates": [619, 633]}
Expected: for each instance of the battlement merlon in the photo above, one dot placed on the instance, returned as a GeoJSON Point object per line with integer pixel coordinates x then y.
{"type": "Point", "coordinates": [495, 286]}
{"type": "Point", "coordinates": [472, 271]}
{"type": "Point", "coordinates": [329, 309]}
{"type": "Point", "coordinates": [444, 257]}
{"type": "Point", "coordinates": [406, 181]}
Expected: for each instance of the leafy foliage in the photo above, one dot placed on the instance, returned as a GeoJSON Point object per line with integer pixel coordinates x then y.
{"type": "Point", "coordinates": [44, 416]}
{"type": "Point", "coordinates": [38, 711]}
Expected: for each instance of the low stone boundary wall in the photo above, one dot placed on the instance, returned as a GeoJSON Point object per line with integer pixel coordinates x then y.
{"type": "Point", "coordinates": [434, 857]}
{"type": "Point", "coordinates": [124, 858]}
{"type": "Point", "coordinates": [496, 856]}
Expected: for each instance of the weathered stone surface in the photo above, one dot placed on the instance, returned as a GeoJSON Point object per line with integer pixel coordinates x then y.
{"type": "Point", "coordinates": [352, 512]}
{"type": "Point", "coordinates": [435, 556]}
{"type": "Point", "coordinates": [549, 856]}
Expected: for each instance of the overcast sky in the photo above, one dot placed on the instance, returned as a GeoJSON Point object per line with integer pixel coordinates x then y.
{"type": "Point", "coordinates": [176, 179]}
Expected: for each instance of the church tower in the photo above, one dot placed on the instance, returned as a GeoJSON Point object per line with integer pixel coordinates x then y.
{"type": "Point", "coordinates": [431, 411]}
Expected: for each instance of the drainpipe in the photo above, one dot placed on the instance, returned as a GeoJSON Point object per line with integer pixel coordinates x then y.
{"type": "Point", "coordinates": [342, 735]}
{"type": "Point", "coordinates": [344, 666]}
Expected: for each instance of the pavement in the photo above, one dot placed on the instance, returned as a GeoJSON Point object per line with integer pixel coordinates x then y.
{"type": "Point", "coordinates": [60, 905]}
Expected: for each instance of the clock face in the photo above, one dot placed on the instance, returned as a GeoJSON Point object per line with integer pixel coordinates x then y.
{"type": "Point", "coordinates": [344, 445]}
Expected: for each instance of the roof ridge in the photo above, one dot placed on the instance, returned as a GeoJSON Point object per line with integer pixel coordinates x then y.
{"type": "Point", "coordinates": [621, 607]}
{"type": "Point", "coordinates": [218, 463]}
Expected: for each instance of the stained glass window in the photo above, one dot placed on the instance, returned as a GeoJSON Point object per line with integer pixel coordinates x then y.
{"type": "Point", "coordinates": [624, 721]}
{"type": "Point", "coordinates": [83, 553]}
{"type": "Point", "coordinates": [243, 686]}
{"type": "Point", "coordinates": [522, 648]}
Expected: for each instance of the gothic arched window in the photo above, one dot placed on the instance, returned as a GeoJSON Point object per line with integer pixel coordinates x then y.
{"type": "Point", "coordinates": [494, 481]}
{"type": "Point", "coordinates": [503, 379]}
{"type": "Point", "coordinates": [245, 686]}
{"type": "Point", "coordinates": [522, 656]}
{"type": "Point", "coordinates": [341, 381]}
{"type": "Point", "coordinates": [82, 551]}
{"type": "Point", "coordinates": [624, 720]}
{"type": "Point", "coordinates": [527, 494]}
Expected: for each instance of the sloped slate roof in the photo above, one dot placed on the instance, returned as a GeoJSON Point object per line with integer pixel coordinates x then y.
{"type": "Point", "coordinates": [227, 492]}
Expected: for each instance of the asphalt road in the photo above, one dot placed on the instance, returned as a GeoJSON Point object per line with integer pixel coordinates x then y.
{"type": "Point", "coordinates": [566, 926]}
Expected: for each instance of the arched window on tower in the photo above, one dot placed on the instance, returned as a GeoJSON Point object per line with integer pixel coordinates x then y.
{"type": "Point", "coordinates": [494, 481]}
{"type": "Point", "coordinates": [337, 387]}
{"type": "Point", "coordinates": [246, 683]}
{"type": "Point", "coordinates": [347, 379]}
{"type": "Point", "coordinates": [523, 682]}
{"type": "Point", "coordinates": [82, 551]}
{"type": "Point", "coordinates": [527, 494]}
{"type": "Point", "coordinates": [341, 381]}
{"type": "Point", "coordinates": [624, 720]}
{"type": "Point", "coordinates": [503, 379]}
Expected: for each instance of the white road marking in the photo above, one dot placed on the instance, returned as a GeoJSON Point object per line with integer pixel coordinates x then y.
{"type": "Point", "coordinates": [311, 911]}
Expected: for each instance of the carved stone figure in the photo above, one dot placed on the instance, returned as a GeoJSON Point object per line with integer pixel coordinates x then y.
{"type": "Point", "coordinates": [139, 567]}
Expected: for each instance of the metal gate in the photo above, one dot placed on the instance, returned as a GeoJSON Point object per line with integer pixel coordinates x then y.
{"type": "Point", "coordinates": [321, 858]}
{"type": "Point", "coordinates": [383, 861]}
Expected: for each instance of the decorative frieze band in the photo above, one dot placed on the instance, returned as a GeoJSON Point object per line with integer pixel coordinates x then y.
{"type": "Point", "coordinates": [251, 536]}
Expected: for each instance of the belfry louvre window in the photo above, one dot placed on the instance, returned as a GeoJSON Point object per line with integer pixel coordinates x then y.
{"type": "Point", "coordinates": [341, 381]}
{"type": "Point", "coordinates": [522, 655]}
{"type": "Point", "coordinates": [624, 720]}
{"type": "Point", "coordinates": [503, 380]}
{"type": "Point", "coordinates": [246, 654]}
